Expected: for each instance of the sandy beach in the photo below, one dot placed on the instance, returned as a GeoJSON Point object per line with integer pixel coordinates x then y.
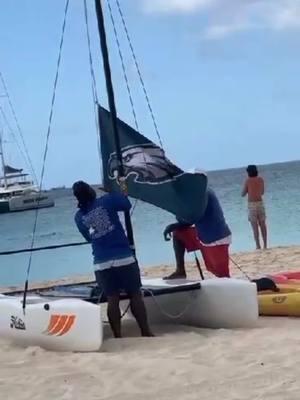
{"type": "Point", "coordinates": [179, 363]}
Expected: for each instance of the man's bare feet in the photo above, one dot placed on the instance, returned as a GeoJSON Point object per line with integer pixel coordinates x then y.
{"type": "Point", "coordinates": [176, 275]}
{"type": "Point", "coordinates": [148, 334]}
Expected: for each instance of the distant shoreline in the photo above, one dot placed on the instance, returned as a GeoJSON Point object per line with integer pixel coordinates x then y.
{"type": "Point", "coordinates": [210, 171]}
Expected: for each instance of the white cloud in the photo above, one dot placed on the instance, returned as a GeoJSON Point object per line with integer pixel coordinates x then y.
{"type": "Point", "coordinates": [174, 6]}
{"type": "Point", "coordinates": [215, 32]}
{"type": "Point", "coordinates": [287, 17]}
{"type": "Point", "coordinates": [226, 17]}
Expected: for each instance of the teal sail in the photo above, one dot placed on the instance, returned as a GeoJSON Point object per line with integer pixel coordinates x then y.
{"type": "Point", "coordinates": [149, 175]}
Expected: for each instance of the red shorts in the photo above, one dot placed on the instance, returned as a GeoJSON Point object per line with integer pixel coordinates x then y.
{"type": "Point", "coordinates": [216, 258]}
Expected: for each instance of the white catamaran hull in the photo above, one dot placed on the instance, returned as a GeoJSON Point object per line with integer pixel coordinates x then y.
{"type": "Point", "coordinates": [59, 325]}
{"type": "Point", "coordinates": [26, 202]}
{"type": "Point", "coordinates": [220, 303]}
{"type": "Point", "coordinates": [76, 325]}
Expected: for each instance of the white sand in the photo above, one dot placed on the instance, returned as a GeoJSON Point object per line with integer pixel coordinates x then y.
{"type": "Point", "coordinates": [180, 363]}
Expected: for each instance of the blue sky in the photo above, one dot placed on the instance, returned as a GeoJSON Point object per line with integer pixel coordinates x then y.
{"type": "Point", "coordinates": [222, 75]}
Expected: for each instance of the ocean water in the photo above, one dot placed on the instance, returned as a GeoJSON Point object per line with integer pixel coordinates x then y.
{"type": "Point", "coordinates": [56, 226]}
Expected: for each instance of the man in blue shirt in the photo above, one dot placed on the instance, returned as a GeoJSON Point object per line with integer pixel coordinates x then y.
{"type": "Point", "coordinates": [211, 235]}
{"type": "Point", "coordinates": [116, 268]}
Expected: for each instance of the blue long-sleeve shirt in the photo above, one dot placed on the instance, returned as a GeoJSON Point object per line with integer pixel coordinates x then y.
{"type": "Point", "coordinates": [100, 225]}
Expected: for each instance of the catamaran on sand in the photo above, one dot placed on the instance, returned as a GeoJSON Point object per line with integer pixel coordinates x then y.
{"type": "Point", "coordinates": [68, 318]}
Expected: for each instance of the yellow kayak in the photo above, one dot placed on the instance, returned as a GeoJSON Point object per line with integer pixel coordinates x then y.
{"type": "Point", "coordinates": [284, 303]}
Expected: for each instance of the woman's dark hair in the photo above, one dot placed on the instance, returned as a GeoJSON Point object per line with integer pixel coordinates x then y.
{"type": "Point", "coordinates": [84, 193]}
{"type": "Point", "coordinates": [252, 171]}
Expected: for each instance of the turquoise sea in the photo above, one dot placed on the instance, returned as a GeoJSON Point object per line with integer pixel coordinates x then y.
{"type": "Point", "coordinates": [56, 226]}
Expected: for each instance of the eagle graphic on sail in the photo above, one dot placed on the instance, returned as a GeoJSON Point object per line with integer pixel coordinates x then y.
{"type": "Point", "coordinates": [146, 162]}
{"type": "Point", "coordinates": [149, 175]}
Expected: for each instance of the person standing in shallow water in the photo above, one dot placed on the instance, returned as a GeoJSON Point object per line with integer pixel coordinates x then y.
{"type": "Point", "coordinates": [116, 268]}
{"type": "Point", "coordinates": [254, 187]}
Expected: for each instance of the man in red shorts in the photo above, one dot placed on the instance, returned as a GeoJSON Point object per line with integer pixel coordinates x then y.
{"type": "Point", "coordinates": [211, 235]}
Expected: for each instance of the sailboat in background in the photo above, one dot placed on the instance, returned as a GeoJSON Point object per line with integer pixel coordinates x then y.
{"type": "Point", "coordinates": [17, 189]}
{"type": "Point", "coordinates": [69, 317]}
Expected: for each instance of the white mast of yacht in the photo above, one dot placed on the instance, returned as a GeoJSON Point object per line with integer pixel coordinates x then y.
{"type": "Point", "coordinates": [2, 159]}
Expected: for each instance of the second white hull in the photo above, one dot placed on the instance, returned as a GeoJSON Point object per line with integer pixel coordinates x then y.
{"type": "Point", "coordinates": [220, 303]}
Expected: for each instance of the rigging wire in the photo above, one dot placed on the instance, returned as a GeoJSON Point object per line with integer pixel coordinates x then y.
{"type": "Point", "coordinates": [18, 127]}
{"type": "Point", "coordinates": [239, 268]}
{"type": "Point", "coordinates": [91, 64]}
{"type": "Point", "coordinates": [94, 85]}
{"type": "Point", "coordinates": [165, 313]}
{"type": "Point", "coordinates": [93, 77]}
{"type": "Point", "coordinates": [142, 84]}
{"type": "Point", "coordinates": [123, 65]}
{"type": "Point", "coordinates": [139, 73]}
{"type": "Point", "coordinates": [127, 81]}
{"type": "Point", "coordinates": [12, 133]}
{"type": "Point", "coordinates": [127, 85]}
{"type": "Point", "coordinates": [46, 148]}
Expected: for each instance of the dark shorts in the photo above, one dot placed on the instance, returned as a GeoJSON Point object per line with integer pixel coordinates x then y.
{"type": "Point", "coordinates": [115, 280]}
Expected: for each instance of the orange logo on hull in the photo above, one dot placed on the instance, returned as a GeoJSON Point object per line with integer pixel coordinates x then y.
{"type": "Point", "coordinates": [59, 324]}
